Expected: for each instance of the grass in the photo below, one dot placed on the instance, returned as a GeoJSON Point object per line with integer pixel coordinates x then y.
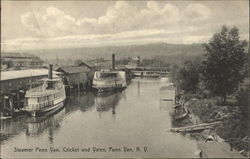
{"type": "Point", "coordinates": [233, 115]}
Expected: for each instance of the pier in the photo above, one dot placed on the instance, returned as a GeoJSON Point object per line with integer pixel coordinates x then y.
{"type": "Point", "coordinates": [197, 127]}
{"type": "Point", "coordinates": [149, 73]}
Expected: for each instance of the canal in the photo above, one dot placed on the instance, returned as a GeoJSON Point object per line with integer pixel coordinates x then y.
{"type": "Point", "coordinates": [132, 123]}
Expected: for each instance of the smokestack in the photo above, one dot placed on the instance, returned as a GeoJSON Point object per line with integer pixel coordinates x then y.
{"type": "Point", "coordinates": [139, 60]}
{"type": "Point", "coordinates": [113, 61]}
{"type": "Point", "coordinates": [50, 71]}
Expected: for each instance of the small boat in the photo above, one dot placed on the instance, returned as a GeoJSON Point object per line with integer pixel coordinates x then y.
{"type": "Point", "coordinates": [177, 105]}
{"type": "Point", "coordinates": [210, 138]}
{"type": "Point", "coordinates": [107, 80]}
{"type": "Point", "coordinates": [180, 113]}
{"type": "Point", "coordinates": [181, 116]}
{"type": "Point", "coordinates": [45, 98]}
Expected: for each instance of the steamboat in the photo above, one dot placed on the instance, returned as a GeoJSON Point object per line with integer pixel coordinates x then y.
{"type": "Point", "coordinates": [107, 80]}
{"type": "Point", "coordinates": [49, 96]}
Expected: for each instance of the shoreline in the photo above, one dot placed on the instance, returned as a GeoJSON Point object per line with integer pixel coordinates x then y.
{"type": "Point", "coordinates": [219, 147]}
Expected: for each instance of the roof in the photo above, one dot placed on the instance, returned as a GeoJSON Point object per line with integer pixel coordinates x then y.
{"type": "Point", "coordinates": [20, 55]}
{"type": "Point", "coordinates": [72, 69]}
{"type": "Point", "coordinates": [9, 75]}
{"type": "Point", "coordinates": [89, 64]}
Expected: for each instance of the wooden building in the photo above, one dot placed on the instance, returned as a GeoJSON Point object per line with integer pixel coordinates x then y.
{"type": "Point", "coordinates": [76, 76]}
{"type": "Point", "coordinates": [14, 84]}
{"type": "Point", "coordinates": [20, 79]}
{"type": "Point", "coordinates": [18, 60]}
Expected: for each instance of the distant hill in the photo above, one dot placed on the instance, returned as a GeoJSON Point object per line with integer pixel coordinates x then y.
{"type": "Point", "coordinates": [172, 51]}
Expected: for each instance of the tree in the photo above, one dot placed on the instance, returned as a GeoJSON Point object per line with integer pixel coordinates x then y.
{"type": "Point", "coordinates": [224, 64]}
{"type": "Point", "coordinates": [173, 73]}
{"type": "Point", "coordinates": [188, 76]}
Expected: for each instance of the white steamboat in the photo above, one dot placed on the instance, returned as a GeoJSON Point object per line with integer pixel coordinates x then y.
{"type": "Point", "coordinates": [47, 97]}
{"type": "Point", "coordinates": [107, 80]}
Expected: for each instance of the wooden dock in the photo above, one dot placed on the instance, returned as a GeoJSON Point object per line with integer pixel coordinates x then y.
{"type": "Point", "coordinates": [193, 128]}
{"type": "Point", "coordinates": [213, 149]}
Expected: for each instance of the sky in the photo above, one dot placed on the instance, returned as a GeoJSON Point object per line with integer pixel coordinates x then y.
{"type": "Point", "coordinates": [66, 24]}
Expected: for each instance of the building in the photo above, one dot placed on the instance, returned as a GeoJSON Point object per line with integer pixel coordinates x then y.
{"type": "Point", "coordinates": [79, 76]}
{"type": "Point", "coordinates": [99, 64]}
{"type": "Point", "coordinates": [13, 61]}
{"type": "Point", "coordinates": [15, 83]}
{"type": "Point", "coordinates": [12, 80]}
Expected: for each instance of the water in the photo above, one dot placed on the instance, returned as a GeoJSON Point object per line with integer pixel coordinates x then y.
{"type": "Point", "coordinates": [135, 119]}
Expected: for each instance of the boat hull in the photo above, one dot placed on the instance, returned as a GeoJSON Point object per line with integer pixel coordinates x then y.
{"type": "Point", "coordinates": [108, 89]}
{"type": "Point", "coordinates": [51, 109]}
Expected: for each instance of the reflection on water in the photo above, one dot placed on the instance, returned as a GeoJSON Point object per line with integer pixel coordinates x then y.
{"type": "Point", "coordinates": [82, 101]}
{"type": "Point", "coordinates": [87, 120]}
{"type": "Point", "coordinates": [37, 125]}
{"type": "Point", "coordinates": [11, 128]}
{"type": "Point", "coordinates": [34, 126]}
{"type": "Point", "coordinates": [107, 101]}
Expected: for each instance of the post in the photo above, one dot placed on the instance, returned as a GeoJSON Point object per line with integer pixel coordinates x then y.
{"type": "Point", "coordinates": [18, 100]}
{"type": "Point", "coordinates": [78, 86]}
{"type": "Point", "coordinates": [50, 71]}
{"type": "Point", "coordinates": [69, 90]}
{"type": "Point", "coordinates": [30, 84]}
{"type": "Point", "coordinates": [11, 106]}
{"type": "Point", "coordinates": [78, 92]}
{"type": "Point", "coordinates": [200, 154]}
{"type": "Point", "coordinates": [4, 103]}
{"type": "Point", "coordinates": [113, 61]}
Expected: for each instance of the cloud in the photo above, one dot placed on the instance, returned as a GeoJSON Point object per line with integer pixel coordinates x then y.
{"type": "Point", "coordinates": [118, 18]}
{"type": "Point", "coordinates": [29, 21]}
{"type": "Point", "coordinates": [53, 23]}
{"type": "Point", "coordinates": [121, 24]}
{"type": "Point", "coordinates": [196, 13]}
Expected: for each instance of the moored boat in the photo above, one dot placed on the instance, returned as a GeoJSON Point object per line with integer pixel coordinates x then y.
{"type": "Point", "coordinates": [147, 74]}
{"type": "Point", "coordinates": [109, 80]}
{"type": "Point", "coordinates": [46, 97]}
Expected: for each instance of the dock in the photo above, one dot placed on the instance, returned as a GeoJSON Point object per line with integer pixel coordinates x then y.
{"type": "Point", "coordinates": [167, 93]}
{"type": "Point", "coordinates": [197, 127]}
{"type": "Point", "coordinates": [214, 149]}
{"type": "Point", "coordinates": [149, 73]}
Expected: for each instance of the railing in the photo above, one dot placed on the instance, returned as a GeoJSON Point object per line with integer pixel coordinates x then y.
{"type": "Point", "coordinates": [40, 105]}
{"type": "Point", "coordinates": [41, 92]}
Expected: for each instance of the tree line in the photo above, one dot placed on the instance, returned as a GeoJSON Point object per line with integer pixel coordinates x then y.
{"type": "Point", "coordinates": [219, 71]}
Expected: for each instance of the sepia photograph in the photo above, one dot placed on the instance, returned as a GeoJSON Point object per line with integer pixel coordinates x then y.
{"type": "Point", "coordinates": [124, 79]}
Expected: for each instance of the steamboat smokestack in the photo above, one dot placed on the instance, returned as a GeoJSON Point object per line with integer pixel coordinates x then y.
{"type": "Point", "coordinates": [50, 71]}
{"type": "Point", "coordinates": [113, 61]}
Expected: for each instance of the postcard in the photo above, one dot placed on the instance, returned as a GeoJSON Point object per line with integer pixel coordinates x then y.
{"type": "Point", "coordinates": [124, 79]}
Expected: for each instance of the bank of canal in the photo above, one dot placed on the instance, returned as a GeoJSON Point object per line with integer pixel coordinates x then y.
{"type": "Point", "coordinates": [135, 119]}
